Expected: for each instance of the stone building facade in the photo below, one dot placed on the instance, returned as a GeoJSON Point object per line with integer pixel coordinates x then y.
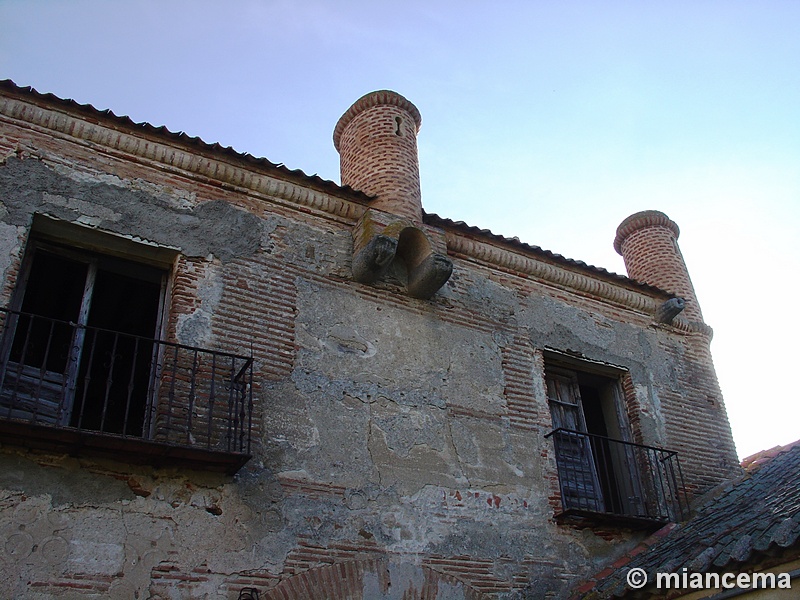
{"type": "Point", "coordinates": [226, 379]}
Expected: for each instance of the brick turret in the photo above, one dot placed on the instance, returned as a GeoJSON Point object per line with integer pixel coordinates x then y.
{"type": "Point", "coordinates": [648, 242]}
{"type": "Point", "coordinates": [694, 419]}
{"type": "Point", "coordinates": [377, 143]}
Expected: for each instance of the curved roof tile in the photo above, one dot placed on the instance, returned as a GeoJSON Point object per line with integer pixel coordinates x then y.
{"type": "Point", "coordinates": [749, 519]}
{"type": "Point", "coordinates": [281, 171]}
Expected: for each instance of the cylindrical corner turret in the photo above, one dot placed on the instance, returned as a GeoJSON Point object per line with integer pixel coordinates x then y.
{"type": "Point", "coordinates": [377, 143]}
{"type": "Point", "coordinates": [648, 243]}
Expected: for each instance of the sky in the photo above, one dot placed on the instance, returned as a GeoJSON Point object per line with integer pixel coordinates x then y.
{"type": "Point", "coordinates": [544, 120]}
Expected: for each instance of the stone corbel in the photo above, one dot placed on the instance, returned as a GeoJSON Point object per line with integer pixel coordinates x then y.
{"type": "Point", "coordinates": [381, 239]}
{"type": "Point", "coordinates": [669, 310]}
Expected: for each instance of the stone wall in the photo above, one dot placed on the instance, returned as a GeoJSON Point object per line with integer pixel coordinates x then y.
{"type": "Point", "coordinates": [399, 446]}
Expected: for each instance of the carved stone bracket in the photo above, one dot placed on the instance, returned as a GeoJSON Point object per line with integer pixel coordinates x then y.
{"type": "Point", "coordinates": [381, 240]}
{"type": "Point", "coordinates": [669, 310]}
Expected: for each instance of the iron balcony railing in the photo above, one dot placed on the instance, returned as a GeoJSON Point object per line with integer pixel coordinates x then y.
{"type": "Point", "coordinates": [69, 376]}
{"type": "Point", "coordinates": [602, 476]}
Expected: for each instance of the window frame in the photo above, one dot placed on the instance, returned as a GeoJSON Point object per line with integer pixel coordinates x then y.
{"type": "Point", "coordinates": [222, 381]}
{"type": "Point", "coordinates": [93, 263]}
{"type": "Point", "coordinates": [584, 462]}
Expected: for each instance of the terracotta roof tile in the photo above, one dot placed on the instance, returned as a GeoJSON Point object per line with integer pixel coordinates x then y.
{"type": "Point", "coordinates": [281, 171]}
{"type": "Point", "coordinates": [98, 115]}
{"type": "Point", "coordinates": [749, 518]}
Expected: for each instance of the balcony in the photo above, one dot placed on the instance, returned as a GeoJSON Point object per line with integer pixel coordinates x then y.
{"type": "Point", "coordinates": [603, 479]}
{"type": "Point", "coordinates": [89, 391]}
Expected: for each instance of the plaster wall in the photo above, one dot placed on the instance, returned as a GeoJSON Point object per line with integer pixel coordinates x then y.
{"type": "Point", "coordinates": [399, 438]}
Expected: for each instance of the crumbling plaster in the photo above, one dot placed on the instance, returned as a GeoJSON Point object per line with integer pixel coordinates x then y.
{"type": "Point", "coordinates": [61, 515]}
{"type": "Point", "coordinates": [386, 402]}
{"type": "Point", "coordinates": [127, 207]}
{"type": "Point", "coordinates": [551, 323]}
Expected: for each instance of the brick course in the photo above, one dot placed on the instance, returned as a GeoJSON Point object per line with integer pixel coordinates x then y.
{"type": "Point", "coordinates": [472, 504]}
{"type": "Point", "coordinates": [648, 242]}
{"type": "Point", "coordinates": [377, 143]}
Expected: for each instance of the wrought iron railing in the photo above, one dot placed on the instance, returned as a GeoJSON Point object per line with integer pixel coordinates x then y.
{"type": "Point", "coordinates": [64, 375]}
{"type": "Point", "coordinates": [602, 476]}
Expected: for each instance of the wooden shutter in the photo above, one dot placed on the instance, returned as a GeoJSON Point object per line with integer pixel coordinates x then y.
{"type": "Point", "coordinates": [580, 488]}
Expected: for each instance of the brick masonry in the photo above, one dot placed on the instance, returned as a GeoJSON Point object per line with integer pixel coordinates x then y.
{"type": "Point", "coordinates": [377, 143]}
{"type": "Point", "coordinates": [399, 444]}
{"type": "Point", "coordinates": [648, 242]}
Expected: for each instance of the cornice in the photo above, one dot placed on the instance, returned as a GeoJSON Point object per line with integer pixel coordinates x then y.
{"type": "Point", "coordinates": [550, 273]}
{"type": "Point", "coordinates": [575, 281]}
{"type": "Point", "coordinates": [252, 177]}
{"type": "Point", "coordinates": [172, 157]}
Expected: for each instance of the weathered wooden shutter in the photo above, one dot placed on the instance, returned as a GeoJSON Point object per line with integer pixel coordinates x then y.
{"type": "Point", "coordinates": [40, 355]}
{"type": "Point", "coordinates": [580, 487]}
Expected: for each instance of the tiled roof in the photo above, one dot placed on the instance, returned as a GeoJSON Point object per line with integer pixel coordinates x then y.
{"type": "Point", "coordinates": [198, 145]}
{"type": "Point", "coordinates": [470, 230]}
{"type": "Point", "coordinates": [280, 171]}
{"type": "Point", "coordinates": [750, 517]}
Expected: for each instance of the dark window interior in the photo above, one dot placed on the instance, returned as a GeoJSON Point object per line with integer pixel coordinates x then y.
{"type": "Point", "coordinates": [595, 398]}
{"type": "Point", "coordinates": [54, 290]}
{"type": "Point", "coordinates": [113, 379]}
{"type": "Point", "coordinates": [55, 287]}
{"type": "Point", "coordinates": [593, 410]}
{"type": "Point", "coordinates": [105, 376]}
{"type": "Point", "coordinates": [595, 465]}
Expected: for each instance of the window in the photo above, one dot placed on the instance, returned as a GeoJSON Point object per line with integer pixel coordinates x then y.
{"type": "Point", "coordinates": [84, 368]}
{"type": "Point", "coordinates": [78, 352]}
{"type": "Point", "coordinates": [601, 471]}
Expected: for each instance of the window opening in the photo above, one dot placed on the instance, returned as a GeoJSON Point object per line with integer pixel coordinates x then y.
{"type": "Point", "coordinates": [59, 372]}
{"type": "Point", "coordinates": [581, 489]}
{"type": "Point", "coordinates": [597, 470]}
{"type": "Point", "coordinates": [81, 354]}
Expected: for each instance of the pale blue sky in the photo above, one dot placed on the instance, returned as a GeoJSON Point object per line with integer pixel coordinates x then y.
{"type": "Point", "coordinates": [550, 121]}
